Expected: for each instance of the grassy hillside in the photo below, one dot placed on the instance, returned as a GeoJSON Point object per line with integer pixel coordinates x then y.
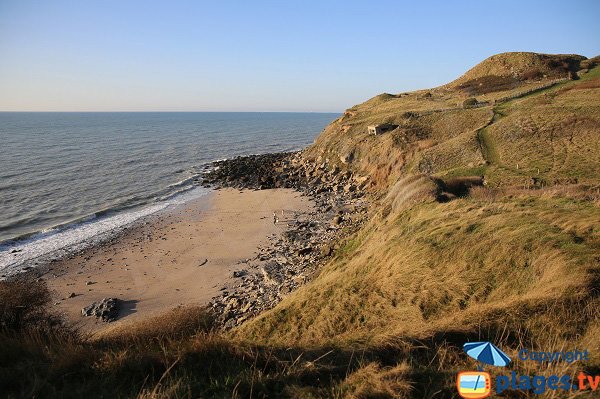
{"type": "Point", "coordinates": [513, 267]}
{"type": "Point", "coordinates": [484, 225]}
{"type": "Point", "coordinates": [550, 137]}
{"type": "Point", "coordinates": [537, 138]}
{"type": "Point", "coordinates": [434, 264]}
{"type": "Point", "coordinates": [521, 66]}
{"type": "Point", "coordinates": [514, 261]}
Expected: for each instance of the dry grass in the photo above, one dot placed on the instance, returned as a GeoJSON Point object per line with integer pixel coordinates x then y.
{"type": "Point", "coordinates": [177, 355]}
{"type": "Point", "coordinates": [447, 125]}
{"type": "Point", "coordinates": [409, 191]}
{"type": "Point", "coordinates": [516, 267]}
{"type": "Point", "coordinates": [374, 381]}
{"type": "Point", "coordinates": [419, 144]}
{"type": "Point", "coordinates": [518, 65]}
{"type": "Point", "coordinates": [24, 307]}
{"type": "Point", "coordinates": [552, 141]}
{"type": "Point", "coordinates": [489, 84]}
{"type": "Point", "coordinates": [455, 153]}
{"type": "Point", "coordinates": [545, 138]}
{"type": "Point", "coordinates": [373, 286]}
{"type": "Point", "coordinates": [173, 325]}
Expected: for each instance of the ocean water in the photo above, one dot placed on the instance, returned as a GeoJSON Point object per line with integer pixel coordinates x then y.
{"type": "Point", "coordinates": [67, 179]}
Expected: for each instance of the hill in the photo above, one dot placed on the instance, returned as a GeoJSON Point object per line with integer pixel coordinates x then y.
{"type": "Point", "coordinates": [522, 66]}
{"type": "Point", "coordinates": [544, 130]}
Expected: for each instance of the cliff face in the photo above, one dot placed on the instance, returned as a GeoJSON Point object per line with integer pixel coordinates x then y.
{"type": "Point", "coordinates": [483, 226]}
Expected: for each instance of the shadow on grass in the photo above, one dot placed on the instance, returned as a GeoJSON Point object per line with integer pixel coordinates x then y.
{"type": "Point", "coordinates": [179, 354]}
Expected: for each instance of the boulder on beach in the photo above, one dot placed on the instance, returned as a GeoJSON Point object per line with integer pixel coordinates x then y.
{"type": "Point", "coordinates": [106, 309]}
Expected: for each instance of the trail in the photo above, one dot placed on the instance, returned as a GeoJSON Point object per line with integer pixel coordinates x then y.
{"type": "Point", "coordinates": [488, 147]}
{"type": "Point", "coordinates": [488, 150]}
{"type": "Point", "coordinates": [485, 139]}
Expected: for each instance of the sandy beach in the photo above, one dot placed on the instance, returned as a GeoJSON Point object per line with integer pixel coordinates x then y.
{"type": "Point", "coordinates": [181, 257]}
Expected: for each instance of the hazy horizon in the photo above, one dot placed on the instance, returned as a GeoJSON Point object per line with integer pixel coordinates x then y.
{"type": "Point", "coordinates": [170, 112]}
{"type": "Point", "coordinates": [111, 56]}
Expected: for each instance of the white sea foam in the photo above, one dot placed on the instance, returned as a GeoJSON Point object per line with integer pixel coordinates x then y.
{"type": "Point", "coordinates": [57, 243]}
{"type": "Point", "coordinates": [109, 165]}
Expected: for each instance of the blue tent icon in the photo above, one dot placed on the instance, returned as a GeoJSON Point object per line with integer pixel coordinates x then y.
{"type": "Point", "coordinates": [487, 353]}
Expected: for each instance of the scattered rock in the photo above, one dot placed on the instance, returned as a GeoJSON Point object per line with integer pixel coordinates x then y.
{"type": "Point", "coordinates": [304, 251]}
{"type": "Point", "coordinates": [106, 309]}
{"type": "Point", "coordinates": [326, 250]}
{"type": "Point", "coordinates": [292, 259]}
{"type": "Point", "coordinates": [347, 158]}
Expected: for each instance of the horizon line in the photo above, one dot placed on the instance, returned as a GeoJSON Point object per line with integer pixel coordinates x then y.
{"type": "Point", "coordinates": [173, 112]}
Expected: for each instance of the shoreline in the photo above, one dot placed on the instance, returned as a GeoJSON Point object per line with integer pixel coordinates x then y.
{"type": "Point", "coordinates": [182, 257]}
{"type": "Point", "coordinates": [136, 267]}
{"type": "Point", "coordinates": [37, 250]}
{"type": "Point", "coordinates": [34, 259]}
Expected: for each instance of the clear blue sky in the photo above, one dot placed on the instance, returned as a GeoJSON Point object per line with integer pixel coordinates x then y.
{"type": "Point", "coordinates": [128, 55]}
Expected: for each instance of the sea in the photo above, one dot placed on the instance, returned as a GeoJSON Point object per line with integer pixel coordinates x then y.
{"type": "Point", "coordinates": [71, 180]}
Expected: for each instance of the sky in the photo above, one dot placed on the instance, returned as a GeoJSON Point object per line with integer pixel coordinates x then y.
{"type": "Point", "coordinates": [300, 56]}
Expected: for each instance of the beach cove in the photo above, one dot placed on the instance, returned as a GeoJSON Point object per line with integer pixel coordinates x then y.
{"type": "Point", "coordinates": [181, 257]}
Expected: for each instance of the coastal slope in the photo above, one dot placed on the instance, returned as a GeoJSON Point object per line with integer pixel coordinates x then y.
{"type": "Point", "coordinates": [482, 225]}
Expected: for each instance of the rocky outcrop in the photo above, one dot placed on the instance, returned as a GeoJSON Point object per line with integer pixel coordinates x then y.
{"type": "Point", "coordinates": [252, 172]}
{"type": "Point", "coordinates": [284, 170]}
{"type": "Point", "coordinates": [309, 240]}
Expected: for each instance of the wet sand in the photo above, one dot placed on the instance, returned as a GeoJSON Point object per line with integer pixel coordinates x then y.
{"type": "Point", "coordinates": [183, 257]}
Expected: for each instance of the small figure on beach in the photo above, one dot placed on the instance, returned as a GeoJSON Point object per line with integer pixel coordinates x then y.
{"type": "Point", "coordinates": [275, 219]}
